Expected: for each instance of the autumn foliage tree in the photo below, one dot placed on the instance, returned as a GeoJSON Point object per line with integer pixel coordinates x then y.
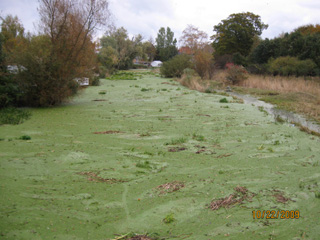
{"type": "Point", "coordinates": [63, 51]}
{"type": "Point", "coordinates": [196, 41]}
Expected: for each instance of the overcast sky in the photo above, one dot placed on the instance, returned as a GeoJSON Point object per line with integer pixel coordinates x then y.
{"type": "Point", "coordinates": [147, 16]}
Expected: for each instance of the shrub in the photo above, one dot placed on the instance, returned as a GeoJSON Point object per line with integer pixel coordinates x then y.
{"type": "Point", "coordinates": [288, 66]}
{"type": "Point", "coordinates": [235, 73]}
{"type": "Point", "coordinates": [175, 66]}
{"type": "Point", "coordinates": [223, 100]}
{"type": "Point", "coordinates": [13, 116]}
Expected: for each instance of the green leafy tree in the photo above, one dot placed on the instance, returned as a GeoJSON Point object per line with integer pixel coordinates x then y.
{"type": "Point", "coordinates": [12, 41]}
{"type": "Point", "coordinates": [166, 44]}
{"type": "Point", "coordinates": [295, 44]}
{"type": "Point", "coordinates": [118, 50]}
{"type": "Point", "coordinates": [237, 33]}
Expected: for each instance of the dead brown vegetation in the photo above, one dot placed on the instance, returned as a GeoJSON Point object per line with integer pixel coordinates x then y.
{"type": "Point", "coordinates": [93, 177]}
{"type": "Point", "coordinates": [108, 132]}
{"type": "Point", "coordinates": [241, 194]}
{"type": "Point", "coordinates": [170, 187]}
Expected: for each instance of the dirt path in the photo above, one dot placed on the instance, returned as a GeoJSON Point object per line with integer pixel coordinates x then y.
{"type": "Point", "coordinates": [152, 157]}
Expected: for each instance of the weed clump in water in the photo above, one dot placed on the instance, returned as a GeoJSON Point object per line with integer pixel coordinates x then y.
{"type": "Point", "coordinates": [177, 141]}
{"type": "Point", "coordinates": [25, 137]}
{"type": "Point", "coordinates": [199, 138]}
{"type": "Point", "coordinates": [169, 218]}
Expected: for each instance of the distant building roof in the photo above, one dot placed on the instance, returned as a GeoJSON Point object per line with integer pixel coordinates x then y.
{"type": "Point", "coordinates": [185, 50]}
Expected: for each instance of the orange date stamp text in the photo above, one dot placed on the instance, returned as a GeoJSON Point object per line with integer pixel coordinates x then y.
{"type": "Point", "coordinates": [275, 214]}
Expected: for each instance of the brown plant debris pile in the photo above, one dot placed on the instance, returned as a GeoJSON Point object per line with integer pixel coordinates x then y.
{"type": "Point", "coordinates": [241, 194]}
{"type": "Point", "coordinates": [176, 149]}
{"type": "Point", "coordinates": [135, 237]}
{"type": "Point", "coordinates": [173, 84]}
{"type": "Point", "coordinates": [203, 149]}
{"type": "Point", "coordinates": [279, 196]}
{"type": "Point", "coordinates": [224, 155]}
{"type": "Point", "coordinates": [108, 132]}
{"type": "Point", "coordinates": [203, 115]}
{"type": "Point", "coordinates": [170, 187]}
{"type": "Point", "coordinates": [93, 177]}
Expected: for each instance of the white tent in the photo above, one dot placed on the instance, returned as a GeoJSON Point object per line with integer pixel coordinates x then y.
{"type": "Point", "coordinates": [156, 64]}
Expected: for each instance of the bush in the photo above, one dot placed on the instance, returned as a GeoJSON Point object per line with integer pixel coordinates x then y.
{"type": "Point", "coordinates": [236, 73]}
{"type": "Point", "coordinates": [13, 116]}
{"type": "Point", "coordinates": [175, 66]}
{"type": "Point", "coordinates": [288, 66]}
{"type": "Point", "coordinates": [224, 100]}
{"type": "Point", "coordinates": [95, 81]}
{"type": "Point", "coordinates": [222, 60]}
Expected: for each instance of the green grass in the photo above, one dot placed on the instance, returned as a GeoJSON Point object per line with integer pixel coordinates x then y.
{"type": "Point", "coordinates": [69, 183]}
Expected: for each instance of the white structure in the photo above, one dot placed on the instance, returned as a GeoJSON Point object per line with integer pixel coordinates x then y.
{"type": "Point", "coordinates": [82, 81]}
{"type": "Point", "coordinates": [156, 64]}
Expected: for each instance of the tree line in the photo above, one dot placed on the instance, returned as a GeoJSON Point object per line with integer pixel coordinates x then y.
{"type": "Point", "coordinates": [40, 69]}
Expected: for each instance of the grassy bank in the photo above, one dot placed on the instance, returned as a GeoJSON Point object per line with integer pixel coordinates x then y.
{"type": "Point", "coordinates": [300, 95]}
{"type": "Point", "coordinates": [168, 162]}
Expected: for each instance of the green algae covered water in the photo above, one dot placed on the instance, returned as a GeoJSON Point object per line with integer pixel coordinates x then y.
{"type": "Point", "coordinates": [150, 156]}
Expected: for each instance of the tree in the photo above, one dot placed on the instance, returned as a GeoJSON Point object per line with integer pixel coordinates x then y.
{"type": "Point", "coordinates": [118, 50]}
{"type": "Point", "coordinates": [308, 29]}
{"type": "Point", "coordinates": [237, 33]}
{"type": "Point", "coordinates": [197, 42]}
{"type": "Point", "coordinates": [63, 51]}
{"type": "Point", "coordinates": [149, 51]}
{"type": "Point", "coordinates": [193, 38]}
{"type": "Point", "coordinates": [166, 44]}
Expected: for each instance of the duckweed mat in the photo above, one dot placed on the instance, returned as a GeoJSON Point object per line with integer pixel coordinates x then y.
{"type": "Point", "coordinates": [167, 163]}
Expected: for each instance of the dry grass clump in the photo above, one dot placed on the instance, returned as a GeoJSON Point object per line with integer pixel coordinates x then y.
{"type": "Point", "coordinates": [194, 83]}
{"type": "Point", "coordinates": [93, 177]}
{"type": "Point", "coordinates": [283, 84]}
